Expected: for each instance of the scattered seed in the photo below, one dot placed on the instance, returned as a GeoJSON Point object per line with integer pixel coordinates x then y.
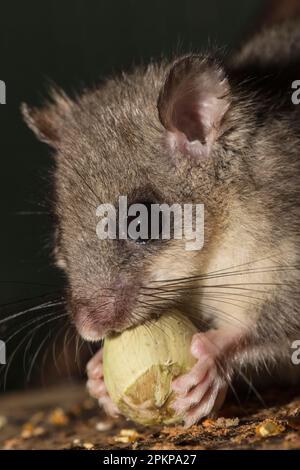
{"type": "Point", "coordinates": [122, 439]}
{"type": "Point", "coordinates": [127, 435]}
{"type": "Point", "coordinates": [104, 426]}
{"type": "Point", "coordinates": [208, 423]}
{"type": "Point", "coordinates": [58, 417]}
{"type": "Point", "coordinates": [268, 428]}
{"type": "Point", "coordinates": [88, 445]}
{"type": "Point", "coordinates": [221, 423]}
{"type": "Point", "coordinates": [131, 434]}
{"type": "Point", "coordinates": [227, 422]}
{"type": "Point", "coordinates": [39, 431]}
{"type": "Point", "coordinates": [10, 444]}
{"type": "Point", "coordinates": [27, 431]}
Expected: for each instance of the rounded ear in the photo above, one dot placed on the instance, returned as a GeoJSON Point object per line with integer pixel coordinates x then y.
{"type": "Point", "coordinates": [192, 104]}
{"type": "Point", "coordinates": [47, 122]}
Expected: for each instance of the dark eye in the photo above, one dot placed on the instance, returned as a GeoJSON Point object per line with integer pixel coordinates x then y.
{"type": "Point", "coordinates": [143, 224]}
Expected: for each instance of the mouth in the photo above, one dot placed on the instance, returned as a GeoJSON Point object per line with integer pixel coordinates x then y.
{"type": "Point", "coordinates": [96, 327]}
{"type": "Point", "coordinates": [93, 331]}
{"type": "Point", "coordinates": [97, 334]}
{"type": "Point", "coordinates": [97, 317]}
{"type": "Point", "coordinates": [95, 321]}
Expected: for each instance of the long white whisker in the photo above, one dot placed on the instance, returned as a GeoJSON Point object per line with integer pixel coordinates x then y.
{"type": "Point", "coordinates": [32, 309]}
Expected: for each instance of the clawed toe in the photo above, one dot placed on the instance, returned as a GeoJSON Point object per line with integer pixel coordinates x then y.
{"type": "Point", "coordinates": [96, 386]}
{"type": "Point", "coordinates": [203, 389]}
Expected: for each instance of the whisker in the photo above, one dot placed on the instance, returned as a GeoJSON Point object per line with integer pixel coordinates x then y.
{"type": "Point", "coordinates": [64, 350]}
{"type": "Point", "coordinates": [224, 273]}
{"type": "Point", "coordinates": [22, 342]}
{"type": "Point", "coordinates": [32, 322]}
{"type": "Point", "coordinates": [28, 283]}
{"type": "Point", "coordinates": [32, 309]}
{"type": "Point", "coordinates": [54, 355]}
{"type": "Point", "coordinates": [31, 213]}
{"type": "Point", "coordinates": [29, 299]}
{"type": "Point", "coordinates": [35, 357]}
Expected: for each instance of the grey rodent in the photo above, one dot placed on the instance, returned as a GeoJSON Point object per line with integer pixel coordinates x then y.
{"type": "Point", "coordinates": [202, 129]}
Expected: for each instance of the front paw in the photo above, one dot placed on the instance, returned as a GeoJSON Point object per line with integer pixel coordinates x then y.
{"type": "Point", "coordinates": [203, 389]}
{"type": "Point", "coordinates": [96, 386]}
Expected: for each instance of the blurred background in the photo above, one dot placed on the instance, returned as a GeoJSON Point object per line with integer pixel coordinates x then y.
{"type": "Point", "coordinates": [75, 44]}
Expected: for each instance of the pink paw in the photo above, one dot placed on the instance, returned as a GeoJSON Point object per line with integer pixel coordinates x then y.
{"type": "Point", "coordinates": [96, 385]}
{"type": "Point", "coordinates": [203, 389]}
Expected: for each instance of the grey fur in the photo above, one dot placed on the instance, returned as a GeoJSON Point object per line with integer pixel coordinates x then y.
{"type": "Point", "coordinates": [110, 142]}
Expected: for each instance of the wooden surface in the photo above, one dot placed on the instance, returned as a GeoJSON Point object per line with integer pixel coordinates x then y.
{"type": "Point", "coordinates": [65, 418]}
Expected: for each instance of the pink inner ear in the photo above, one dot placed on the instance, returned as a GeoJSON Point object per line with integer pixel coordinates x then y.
{"type": "Point", "coordinates": [188, 119]}
{"type": "Point", "coordinates": [195, 124]}
{"type": "Point", "coordinates": [198, 117]}
{"type": "Point", "coordinates": [192, 106]}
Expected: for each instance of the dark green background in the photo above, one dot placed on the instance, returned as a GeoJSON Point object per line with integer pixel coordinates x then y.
{"type": "Point", "coordinates": [73, 43]}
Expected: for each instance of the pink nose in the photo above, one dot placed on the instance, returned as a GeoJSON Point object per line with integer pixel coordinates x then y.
{"type": "Point", "coordinates": [108, 308]}
{"type": "Point", "coordinates": [93, 320]}
{"type": "Point", "coordinates": [95, 317]}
